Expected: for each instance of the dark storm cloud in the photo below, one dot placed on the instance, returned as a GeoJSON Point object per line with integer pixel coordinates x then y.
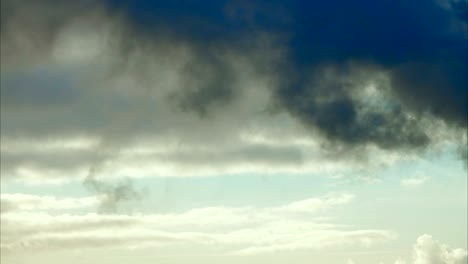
{"type": "Point", "coordinates": [209, 83]}
{"type": "Point", "coordinates": [420, 44]}
{"type": "Point", "coordinates": [340, 118]}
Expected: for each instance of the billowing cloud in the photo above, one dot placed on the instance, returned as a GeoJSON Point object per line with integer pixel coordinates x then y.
{"type": "Point", "coordinates": [105, 92]}
{"type": "Point", "coordinates": [326, 46]}
{"type": "Point", "coordinates": [427, 250]}
{"type": "Point", "coordinates": [430, 251]}
{"type": "Point", "coordinates": [201, 77]}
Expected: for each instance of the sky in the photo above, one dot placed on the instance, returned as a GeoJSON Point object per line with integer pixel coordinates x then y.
{"type": "Point", "coordinates": [234, 131]}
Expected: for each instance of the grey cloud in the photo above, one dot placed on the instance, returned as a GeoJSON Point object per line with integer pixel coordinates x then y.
{"type": "Point", "coordinates": [144, 86]}
{"type": "Point", "coordinates": [115, 197]}
{"type": "Point", "coordinates": [7, 206]}
{"type": "Point", "coordinates": [76, 164]}
{"type": "Point", "coordinates": [61, 161]}
{"type": "Point", "coordinates": [427, 73]}
{"type": "Point", "coordinates": [424, 94]}
{"type": "Point", "coordinates": [463, 153]}
{"type": "Point", "coordinates": [38, 87]}
{"type": "Point", "coordinates": [243, 155]}
{"type": "Point", "coordinates": [30, 28]}
{"type": "Point", "coordinates": [209, 81]}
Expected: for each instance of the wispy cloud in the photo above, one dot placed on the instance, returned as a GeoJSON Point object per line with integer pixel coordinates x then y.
{"type": "Point", "coordinates": [414, 182]}
{"type": "Point", "coordinates": [237, 230]}
{"type": "Point", "coordinates": [27, 202]}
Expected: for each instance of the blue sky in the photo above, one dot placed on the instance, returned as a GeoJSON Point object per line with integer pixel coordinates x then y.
{"type": "Point", "coordinates": [234, 132]}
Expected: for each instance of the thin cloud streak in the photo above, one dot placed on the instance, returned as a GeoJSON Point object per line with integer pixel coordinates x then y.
{"type": "Point", "coordinates": [234, 230]}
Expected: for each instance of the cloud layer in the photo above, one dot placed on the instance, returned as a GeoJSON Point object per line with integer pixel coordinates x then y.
{"type": "Point", "coordinates": [229, 230]}
{"type": "Point", "coordinates": [104, 92]}
{"type": "Point", "coordinates": [204, 80]}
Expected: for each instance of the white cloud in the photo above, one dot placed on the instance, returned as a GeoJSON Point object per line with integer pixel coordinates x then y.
{"type": "Point", "coordinates": [231, 230]}
{"type": "Point", "coordinates": [400, 261]}
{"type": "Point", "coordinates": [28, 202]}
{"type": "Point", "coordinates": [430, 251]}
{"type": "Point", "coordinates": [314, 204]}
{"type": "Point", "coordinates": [427, 250]}
{"type": "Point", "coordinates": [413, 182]}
